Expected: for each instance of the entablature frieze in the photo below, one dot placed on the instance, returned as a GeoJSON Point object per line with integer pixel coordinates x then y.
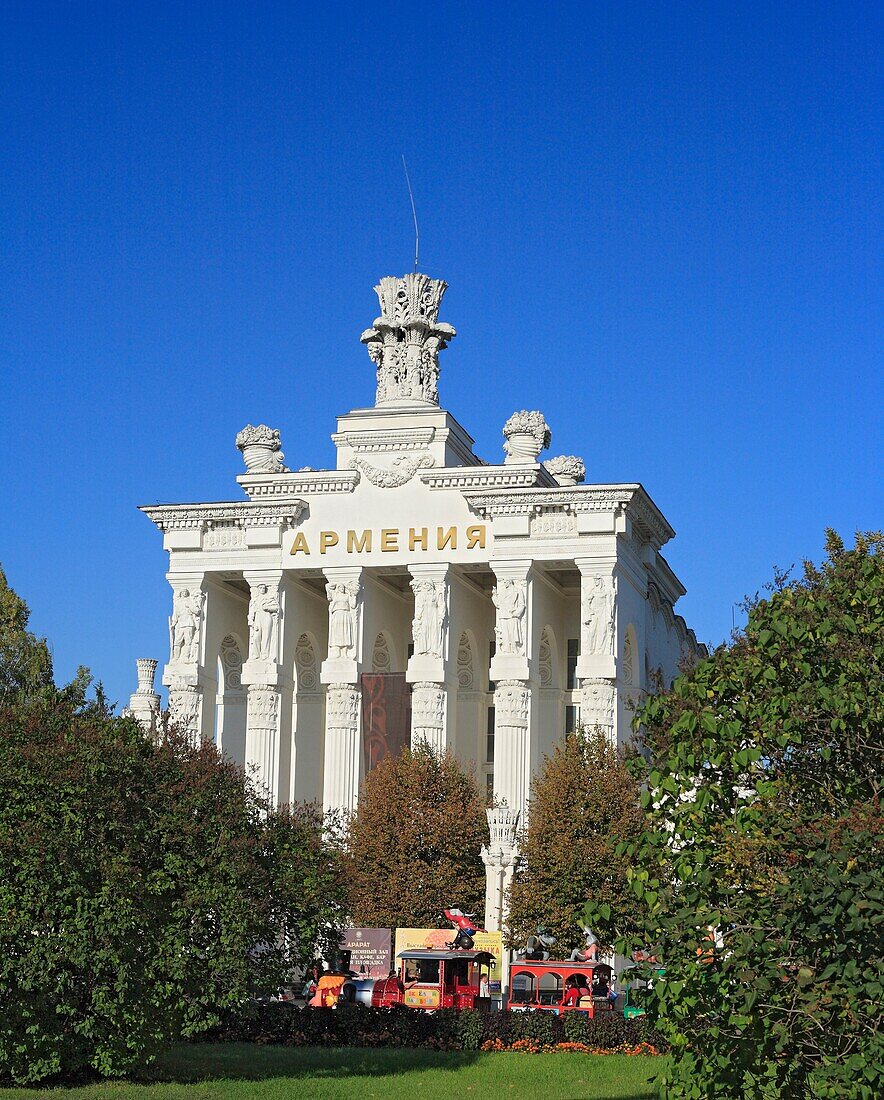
{"type": "Point", "coordinates": [308, 482]}
{"type": "Point", "coordinates": [236, 514]}
{"type": "Point", "coordinates": [544, 505]}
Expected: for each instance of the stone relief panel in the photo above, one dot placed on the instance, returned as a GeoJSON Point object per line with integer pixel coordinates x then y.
{"type": "Point", "coordinates": [264, 612]}
{"type": "Point", "coordinates": [224, 536]}
{"type": "Point", "coordinates": [427, 706]}
{"type": "Point", "coordinates": [430, 614]}
{"type": "Point", "coordinates": [511, 703]}
{"type": "Point", "coordinates": [185, 625]}
{"type": "Point", "coordinates": [343, 597]}
{"type": "Point", "coordinates": [510, 599]}
{"type": "Point", "coordinates": [399, 473]}
{"type": "Point", "coordinates": [598, 702]}
{"type": "Point", "coordinates": [465, 674]}
{"type": "Point", "coordinates": [597, 614]}
{"type": "Point", "coordinates": [628, 672]}
{"type": "Point", "coordinates": [306, 676]}
{"type": "Point", "coordinates": [342, 706]}
{"type": "Point", "coordinates": [545, 660]}
{"type": "Point", "coordinates": [380, 654]}
{"type": "Point", "coordinates": [231, 665]}
{"type": "Point", "coordinates": [552, 524]}
{"type": "Point", "coordinates": [263, 707]}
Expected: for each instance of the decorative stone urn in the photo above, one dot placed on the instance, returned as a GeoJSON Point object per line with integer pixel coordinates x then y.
{"type": "Point", "coordinates": [566, 469]}
{"type": "Point", "coordinates": [526, 434]}
{"type": "Point", "coordinates": [260, 448]}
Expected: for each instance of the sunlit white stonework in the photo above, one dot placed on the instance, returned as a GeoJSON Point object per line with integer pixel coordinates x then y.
{"type": "Point", "coordinates": [514, 600]}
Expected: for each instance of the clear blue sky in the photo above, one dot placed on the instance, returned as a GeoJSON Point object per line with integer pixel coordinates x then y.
{"type": "Point", "coordinates": [659, 223]}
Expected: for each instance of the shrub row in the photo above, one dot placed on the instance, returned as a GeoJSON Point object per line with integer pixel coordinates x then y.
{"type": "Point", "coordinates": [356, 1026]}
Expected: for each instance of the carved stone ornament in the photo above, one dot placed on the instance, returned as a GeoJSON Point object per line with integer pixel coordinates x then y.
{"type": "Point", "coordinates": [511, 701]}
{"type": "Point", "coordinates": [401, 472]}
{"type": "Point", "coordinates": [428, 706]}
{"type": "Point", "coordinates": [503, 823]}
{"type": "Point", "coordinates": [185, 624]}
{"type": "Point", "coordinates": [342, 706]}
{"type": "Point", "coordinates": [263, 707]}
{"type": "Point", "coordinates": [509, 597]}
{"type": "Point", "coordinates": [526, 435]}
{"type": "Point", "coordinates": [597, 615]}
{"type": "Point", "coordinates": [566, 469]}
{"type": "Point", "coordinates": [597, 705]}
{"type": "Point", "coordinates": [184, 711]}
{"type": "Point", "coordinates": [263, 620]}
{"type": "Point", "coordinates": [305, 666]}
{"type": "Point", "coordinates": [261, 449]}
{"type": "Point", "coordinates": [405, 341]}
{"type": "Point", "coordinates": [147, 670]}
{"type": "Point", "coordinates": [430, 606]}
{"type": "Point", "coordinates": [342, 599]}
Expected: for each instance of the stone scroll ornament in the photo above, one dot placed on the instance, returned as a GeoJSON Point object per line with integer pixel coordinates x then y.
{"type": "Point", "coordinates": [405, 341]}
{"type": "Point", "coordinates": [510, 600]}
{"type": "Point", "coordinates": [184, 626]}
{"type": "Point", "coordinates": [261, 449]}
{"type": "Point", "coordinates": [429, 617]}
{"type": "Point", "coordinates": [342, 599]}
{"type": "Point", "coordinates": [598, 615]}
{"type": "Point", "coordinates": [263, 619]}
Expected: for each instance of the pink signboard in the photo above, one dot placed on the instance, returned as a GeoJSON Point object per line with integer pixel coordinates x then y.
{"type": "Point", "coordinates": [369, 951]}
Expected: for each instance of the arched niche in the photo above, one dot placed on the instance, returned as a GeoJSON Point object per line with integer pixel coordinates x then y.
{"type": "Point", "coordinates": [306, 665]}
{"type": "Point", "coordinates": [466, 662]}
{"type": "Point", "coordinates": [548, 659]}
{"type": "Point", "coordinates": [230, 703]}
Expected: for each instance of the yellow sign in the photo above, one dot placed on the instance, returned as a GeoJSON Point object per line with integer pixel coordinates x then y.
{"type": "Point", "coordinates": [390, 540]}
{"type": "Point", "coordinates": [417, 997]}
{"type": "Point", "coordinates": [437, 939]}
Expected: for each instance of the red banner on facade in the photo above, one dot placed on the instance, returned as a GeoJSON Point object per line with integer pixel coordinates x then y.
{"type": "Point", "coordinates": [386, 716]}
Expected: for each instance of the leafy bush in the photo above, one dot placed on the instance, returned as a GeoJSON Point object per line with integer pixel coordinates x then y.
{"type": "Point", "coordinates": [448, 1029]}
{"type": "Point", "coordinates": [758, 879]}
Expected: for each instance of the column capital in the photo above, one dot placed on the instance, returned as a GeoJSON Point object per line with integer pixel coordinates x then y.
{"type": "Point", "coordinates": [512, 568]}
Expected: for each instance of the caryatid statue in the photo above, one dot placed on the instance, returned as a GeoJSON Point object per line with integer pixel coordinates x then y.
{"type": "Point", "coordinates": [184, 625]}
{"type": "Point", "coordinates": [263, 617]}
{"type": "Point", "coordinates": [342, 597]}
{"type": "Point", "coordinates": [429, 617]}
{"type": "Point", "coordinates": [509, 599]}
{"type": "Point", "coordinates": [598, 615]}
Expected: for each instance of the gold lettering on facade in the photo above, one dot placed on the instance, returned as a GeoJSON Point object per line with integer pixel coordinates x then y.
{"type": "Point", "coordinates": [299, 546]}
{"type": "Point", "coordinates": [357, 543]}
{"type": "Point", "coordinates": [414, 538]}
{"type": "Point", "coordinates": [389, 540]}
{"type": "Point", "coordinates": [476, 537]}
{"type": "Point", "coordinates": [446, 538]}
{"type": "Point", "coordinates": [327, 539]}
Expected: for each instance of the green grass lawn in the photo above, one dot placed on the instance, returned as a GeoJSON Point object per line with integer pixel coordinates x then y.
{"type": "Point", "coordinates": [234, 1071]}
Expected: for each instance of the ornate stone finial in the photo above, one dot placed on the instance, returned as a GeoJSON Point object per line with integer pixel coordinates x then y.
{"type": "Point", "coordinates": [527, 434]}
{"type": "Point", "coordinates": [147, 670]}
{"type": "Point", "coordinates": [566, 469]}
{"type": "Point", "coordinates": [405, 341]}
{"type": "Point", "coordinates": [260, 448]}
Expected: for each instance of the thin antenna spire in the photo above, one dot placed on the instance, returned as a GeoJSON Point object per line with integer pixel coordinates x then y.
{"type": "Point", "coordinates": [417, 236]}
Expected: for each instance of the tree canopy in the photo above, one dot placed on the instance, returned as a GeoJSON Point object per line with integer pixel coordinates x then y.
{"type": "Point", "coordinates": [413, 844]}
{"type": "Point", "coordinates": [144, 885]}
{"type": "Point", "coordinates": [757, 880]}
{"type": "Point", "coordinates": [584, 804]}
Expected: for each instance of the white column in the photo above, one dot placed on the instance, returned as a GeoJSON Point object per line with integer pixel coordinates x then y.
{"type": "Point", "coordinates": [342, 766]}
{"type": "Point", "coordinates": [265, 680]}
{"type": "Point", "coordinates": [428, 667]}
{"type": "Point", "coordinates": [184, 673]}
{"type": "Point", "coordinates": [597, 665]}
{"type": "Point", "coordinates": [510, 669]}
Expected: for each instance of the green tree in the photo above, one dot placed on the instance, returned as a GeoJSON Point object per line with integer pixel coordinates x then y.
{"type": "Point", "coordinates": [144, 889]}
{"type": "Point", "coordinates": [25, 663]}
{"type": "Point", "coordinates": [413, 844]}
{"type": "Point", "coordinates": [758, 878]}
{"type": "Point", "coordinates": [584, 805]}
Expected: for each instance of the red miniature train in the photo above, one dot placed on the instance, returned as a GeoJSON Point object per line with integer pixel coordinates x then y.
{"type": "Point", "coordinates": [427, 979]}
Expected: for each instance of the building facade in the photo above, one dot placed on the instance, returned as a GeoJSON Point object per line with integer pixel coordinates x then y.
{"type": "Point", "coordinates": [415, 592]}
